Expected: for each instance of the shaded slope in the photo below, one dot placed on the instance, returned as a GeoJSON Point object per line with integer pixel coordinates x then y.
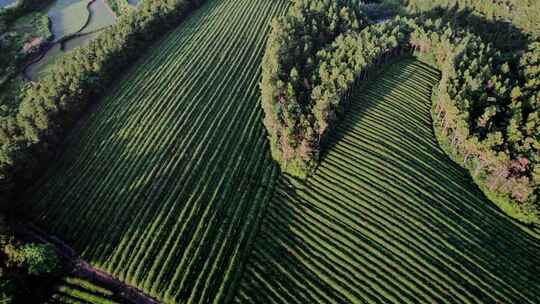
{"type": "Point", "coordinates": [162, 186]}
{"type": "Point", "coordinates": [388, 218]}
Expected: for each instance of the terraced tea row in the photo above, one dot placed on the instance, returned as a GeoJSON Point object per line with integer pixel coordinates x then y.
{"type": "Point", "coordinates": [74, 290]}
{"type": "Point", "coordinates": [388, 218]}
{"type": "Point", "coordinates": [163, 184]}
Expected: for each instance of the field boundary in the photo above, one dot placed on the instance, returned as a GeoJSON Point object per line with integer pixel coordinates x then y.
{"type": "Point", "coordinates": [81, 268]}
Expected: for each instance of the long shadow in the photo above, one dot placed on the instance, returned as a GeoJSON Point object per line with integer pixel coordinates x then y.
{"type": "Point", "coordinates": [388, 217]}
{"type": "Point", "coordinates": [157, 188]}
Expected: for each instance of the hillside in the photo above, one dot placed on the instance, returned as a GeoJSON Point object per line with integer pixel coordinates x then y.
{"type": "Point", "coordinates": [388, 217]}
{"type": "Point", "coordinates": [273, 151]}
{"type": "Point", "coordinates": [162, 185]}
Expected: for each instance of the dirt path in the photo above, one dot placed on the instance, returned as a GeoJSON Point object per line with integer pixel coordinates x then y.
{"type": "Point", "coordinates": [81, 268]}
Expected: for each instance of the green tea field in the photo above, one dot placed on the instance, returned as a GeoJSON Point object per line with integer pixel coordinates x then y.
{"type": "Point", "coordinates": [388, 217]}
{"type": "Point", "coordinates": [177, 230]}
{"type": "Point", "coordinates": [271, 151]}
{"type": "Point", "coordinates": [75, 291]}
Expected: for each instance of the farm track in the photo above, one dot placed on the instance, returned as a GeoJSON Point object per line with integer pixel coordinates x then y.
{"type": "Point", "coordinates": [164, 185]}
{"type": "Point", "coordinates": [388, 218]}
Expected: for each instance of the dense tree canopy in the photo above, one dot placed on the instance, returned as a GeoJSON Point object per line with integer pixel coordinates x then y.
{"type": "Point", "coordinates": [289, 75]}
{"type": "Point", "coordinates": [485, 107]}
{"type": "Point", "coordinates": [525, 14]}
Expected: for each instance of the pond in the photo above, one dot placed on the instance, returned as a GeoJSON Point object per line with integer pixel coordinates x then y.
{"type": "Point", "coordinates": [101, 16]}
{"type": "Point", "coordinates": [60, 5]}
{"type": "Point", "coordinates": [68, 18]}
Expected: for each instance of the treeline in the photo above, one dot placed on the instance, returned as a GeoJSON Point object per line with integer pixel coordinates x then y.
{"type": "Point", "coordinates": [487, 111]}
{"type": "Point", "coordinates": [486, 107]}
{"type": "Point", "coordinates": [288, 76]}
{"type": "Point", "coordinates": [53, 104]}
{"type": "Point", "coordinates": [525, 14]}
{"type": "Point", "coordinates": [21, 8]}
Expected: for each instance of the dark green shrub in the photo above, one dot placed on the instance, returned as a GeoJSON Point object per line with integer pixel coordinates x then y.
{"type": "Point", "coordinates": [37, 259]}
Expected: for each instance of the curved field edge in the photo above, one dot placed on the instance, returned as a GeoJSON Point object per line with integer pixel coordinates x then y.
{"type": "Point", "coordinates": [387, 217]}
{"type": "Point", "coordinates": [164, 183]}
{"type": "Point", "coordinates": [510, 208]}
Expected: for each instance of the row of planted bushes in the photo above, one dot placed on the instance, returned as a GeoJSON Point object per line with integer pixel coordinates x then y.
{"type": "Point", "coordinates": [52, 105]}
{"type": "Point", "coordinates": [485, 111]}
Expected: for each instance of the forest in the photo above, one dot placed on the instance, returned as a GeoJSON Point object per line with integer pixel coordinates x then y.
{"type": "Point", "coordinates": [253, 151]}
{"type": "Point", "coordinates": [486, 107]}
{"type": "Point", "coordinates": [520, 13]}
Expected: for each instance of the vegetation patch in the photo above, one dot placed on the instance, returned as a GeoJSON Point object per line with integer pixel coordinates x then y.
{"type": "Point", "coordinates": [178, 231]}
{"type": "Point", "coordinates": [486, 103]}
{"type": "Point", "coordinates": [387, 217]}
{"type": "Point", "coordinates": [27, 269]}
{"type": "Point", "coordinates": [76, 290]}
{"type": "Point", "coordinates": [122, 7]}
{"type": "Point", "coordinates": [289, 76]}
{"type": "Point", "coordinates": [20, 40]}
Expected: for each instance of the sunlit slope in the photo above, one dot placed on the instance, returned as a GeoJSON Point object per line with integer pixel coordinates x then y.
{"type": "Point", "coordinates": [388, 218]}
{"type": "Point", "coordinates": [163, 184]}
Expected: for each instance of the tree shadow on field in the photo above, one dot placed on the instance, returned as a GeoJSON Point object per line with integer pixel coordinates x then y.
{"type": "Point", "coordinates": [158, 189]}
{"type": "Point", "coordinates": [76, 198]}
{"type": "Point", "coordinates": [388, 217]}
